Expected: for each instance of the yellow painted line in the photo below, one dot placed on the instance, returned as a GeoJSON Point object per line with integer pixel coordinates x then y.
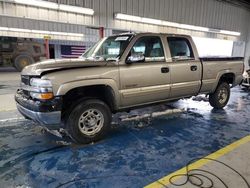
{"type": "Point", "coordinates": [165, 180]}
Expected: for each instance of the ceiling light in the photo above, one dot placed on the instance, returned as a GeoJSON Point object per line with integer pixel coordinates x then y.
{"type": "Point", "coordinates": [151, 21]}
{"type": "Point", "coordinates": [19, 30]}
{"type": "Point", "coordinates": [230, 32]}
{"type": "Point", "coordinates": [127, 17]}
{"type": "Point", "coordinates": [192, 27]}
{"type": "Point", "coordinates": [42, 32]}
{"type": "Point", "coordinates": [58, 33]}
{"type": "Point", "coordinates": [4, 29]}
{"type": "Point", "coordinates": [38, 3]}
{"type": "Point", "coordinates": [170, 24]}
{"type": "Point", "coordinates": [80, 10]}
{"type": "Point", "coordinates": [76, 34]}
{"type": "Point", "coordinates": [55, 6]}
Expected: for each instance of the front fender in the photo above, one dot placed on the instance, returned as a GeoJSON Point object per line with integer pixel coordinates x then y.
{"type": "Point", "coordinates": [66, 87]}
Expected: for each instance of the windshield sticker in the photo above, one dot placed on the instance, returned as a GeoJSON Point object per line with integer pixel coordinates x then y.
{"type": "Point", "coordinates": [121, 38]}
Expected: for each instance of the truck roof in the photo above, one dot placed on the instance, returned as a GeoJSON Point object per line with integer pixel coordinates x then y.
{"type": "Point", "coordinates": [143, 33]}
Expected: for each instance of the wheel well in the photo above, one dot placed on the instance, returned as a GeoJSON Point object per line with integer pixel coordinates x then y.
{"type": "Point", "coordinates": [76, 95]}
{"type": "Point", "coordinates": [228, 77]}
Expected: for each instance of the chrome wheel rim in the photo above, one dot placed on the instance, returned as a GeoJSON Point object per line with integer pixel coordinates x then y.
{"type": "Point", "coordinates": [91, 122]}
{"type": "Point", "coordinates": [223, 94]}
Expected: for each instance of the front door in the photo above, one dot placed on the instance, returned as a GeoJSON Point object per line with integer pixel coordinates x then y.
{"type": "Point", "coordinates": [148, 80]}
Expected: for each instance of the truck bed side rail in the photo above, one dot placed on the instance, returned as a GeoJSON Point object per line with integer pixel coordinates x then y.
{"type": "Point", "coordinates": [221, 58]}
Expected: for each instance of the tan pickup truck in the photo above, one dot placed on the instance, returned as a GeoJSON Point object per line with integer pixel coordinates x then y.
{"type": "Point", "coordinates": [119, 73]}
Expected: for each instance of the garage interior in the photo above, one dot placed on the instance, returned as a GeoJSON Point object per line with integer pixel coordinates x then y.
{"type": "Point", "coordinates": [181, 143]}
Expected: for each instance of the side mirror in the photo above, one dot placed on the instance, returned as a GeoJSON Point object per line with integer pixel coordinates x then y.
{"type": "Point", "coordinates": [135, 57]}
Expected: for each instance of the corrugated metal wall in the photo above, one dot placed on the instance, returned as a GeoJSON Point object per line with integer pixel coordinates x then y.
{"type": "Point", "coordinates": [207, 13]}
{"type": "Point", "coordinates": [27, 23]}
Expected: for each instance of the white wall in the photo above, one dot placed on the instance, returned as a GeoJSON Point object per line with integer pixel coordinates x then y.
{"type": "Point", "coordinates": [247, 53]}
{"type": "Point", "coordinates": [213, 47]}
{"type": "Point", "coordinates": [238, 49]}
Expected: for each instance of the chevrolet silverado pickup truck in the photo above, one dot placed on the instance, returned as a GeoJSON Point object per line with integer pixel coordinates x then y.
{"type": "Point", "coordinates": [119, 73]}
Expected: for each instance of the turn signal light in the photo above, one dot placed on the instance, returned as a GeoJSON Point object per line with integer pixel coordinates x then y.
{"type": "Point", "coordinates": [46, 96]}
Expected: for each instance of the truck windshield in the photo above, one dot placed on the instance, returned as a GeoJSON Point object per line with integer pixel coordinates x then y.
{"type": "Point", "coordinates": [108, 49]}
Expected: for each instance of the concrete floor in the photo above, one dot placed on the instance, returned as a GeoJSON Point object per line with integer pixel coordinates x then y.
{"type": "Point", "coordinates": [137, 151]}
{"type": "Point", "coordinates": [9, 81]}
{"type": "Point", "coordinates": [227, 167]}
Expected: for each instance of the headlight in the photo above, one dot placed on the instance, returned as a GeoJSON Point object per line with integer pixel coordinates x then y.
{"type": "Point", "coordinates": [41, 89]}
{"type": "Point", "coordinates": [37, 82]}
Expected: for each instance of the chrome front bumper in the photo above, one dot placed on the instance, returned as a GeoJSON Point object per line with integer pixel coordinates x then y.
{"type": "Point", "coordinates": [246, 82]}
{"type": "Point", "coordinates": [43, 112]}
{"type": "Point", "coordinates": [44, 118]}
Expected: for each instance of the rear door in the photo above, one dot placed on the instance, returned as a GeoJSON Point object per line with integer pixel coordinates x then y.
{"type": "Point", "coordinates": [147, 81]}
{"type": "Point", "coordinates": [185, 67]}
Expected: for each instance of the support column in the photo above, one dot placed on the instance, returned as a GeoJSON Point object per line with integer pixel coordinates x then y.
{"type": "Point", "coordinates": [46, 41]}
{"type": "Point", "coordinates": [101, 32]}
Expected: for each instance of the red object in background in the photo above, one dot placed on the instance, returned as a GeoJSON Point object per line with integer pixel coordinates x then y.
{"type": "Point", "coordinates": [101, 32]}
{"type": "Point", "coordinates": [47, 48]}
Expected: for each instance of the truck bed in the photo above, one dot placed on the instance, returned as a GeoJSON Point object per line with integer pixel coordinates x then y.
{"type": "Point", "coordinates": [214, 67]}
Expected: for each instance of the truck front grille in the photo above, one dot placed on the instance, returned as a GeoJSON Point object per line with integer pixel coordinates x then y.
{"type": "Point", "coordinates": [25, 80]}
{"type": "Point", "coordinates": [26, 93]}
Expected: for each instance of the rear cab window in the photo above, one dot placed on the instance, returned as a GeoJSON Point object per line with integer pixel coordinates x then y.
{"type": "Point", "coordinates": [180, 48]}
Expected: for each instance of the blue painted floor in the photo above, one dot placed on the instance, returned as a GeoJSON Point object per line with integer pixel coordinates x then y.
{"type": "Point", "coordinates": [134, 154]}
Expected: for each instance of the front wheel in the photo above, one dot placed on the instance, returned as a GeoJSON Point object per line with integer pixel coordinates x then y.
{"type": "Point", "coordinates": [220, 97]}
{"type": "Point", "coordinates": [89, 121]}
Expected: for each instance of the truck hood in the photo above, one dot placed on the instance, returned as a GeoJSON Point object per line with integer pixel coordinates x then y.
{"type": "Point", "coordinates": [38, 69]}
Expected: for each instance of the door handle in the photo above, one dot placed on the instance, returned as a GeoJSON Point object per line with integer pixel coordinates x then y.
{"type": "Point", "coordinates": [193, 68]}
{"type": "Point", "coordinates": [164, 70]}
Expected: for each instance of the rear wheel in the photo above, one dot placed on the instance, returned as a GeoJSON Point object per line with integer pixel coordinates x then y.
{"type": "Point", "coordinates": [89, 121]}
{"type": "Point", "coordinates": [22, 61]}
{"type": "Point", "coordinates": [220, 97]}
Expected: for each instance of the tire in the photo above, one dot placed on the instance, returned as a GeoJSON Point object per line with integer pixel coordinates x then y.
{"type": "Point", "coordinates": [220, 97]}
{"type": "Point", "coordinates": [22, 61]}
{"type": "Point", "coordinates": [89, 121]}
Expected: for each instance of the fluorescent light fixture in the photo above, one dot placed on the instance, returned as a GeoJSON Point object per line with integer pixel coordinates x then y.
{"type": "Point", "coordinates": [58, 33]}
{"type": "Point", "coordinates": [19, 30]}
{"type": "Point", "coordinates": [170, 24]}
{"type": "Point", "coordinates": [192, 27]}
{"type": "Point", "coordinates": [55, 6]}
{"type": "Point", "coordinates": [38, 3]}
{"type": "Point", "coordinates": [212, 30]}
{"type": "Point", "coordinates": [151, 21]}
{"type": "Point", "coordinates": [76, 34]}
{"type": "Point", "coordinates": [132, 18]}
{"type": "Point", "coordinates": [4, 29]}
{"type": "Point", "coordinates": [42, 32]}
{"type": "Point", "coordinates": [80, 10]}
{"type": "Point", "coordinates": [230, 32]}
{"type": "Point", "coordinates": [128, 17]}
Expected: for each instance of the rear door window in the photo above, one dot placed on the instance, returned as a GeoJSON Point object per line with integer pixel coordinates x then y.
{"type": "Point", "coordinates": [180, 48]}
